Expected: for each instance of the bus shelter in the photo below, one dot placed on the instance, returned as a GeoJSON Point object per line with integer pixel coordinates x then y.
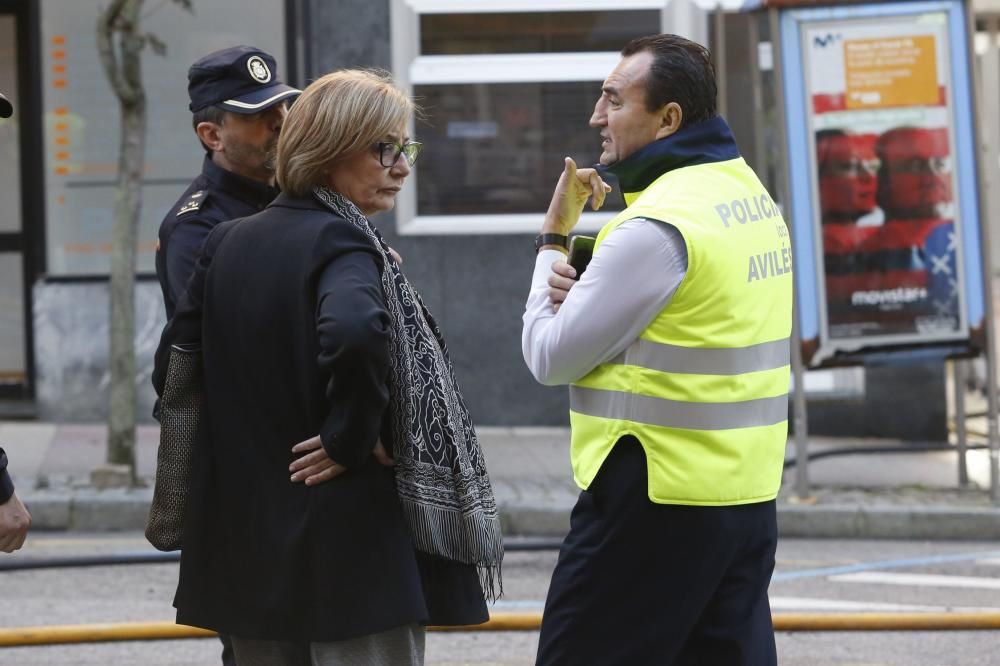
{"type": "Point", "coordinates": [881, 183]}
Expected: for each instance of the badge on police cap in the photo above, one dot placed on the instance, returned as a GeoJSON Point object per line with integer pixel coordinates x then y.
{"type": "Point", "coordinates": [258, 69]}
{"type": "Point", "coordinates": [239, 79]}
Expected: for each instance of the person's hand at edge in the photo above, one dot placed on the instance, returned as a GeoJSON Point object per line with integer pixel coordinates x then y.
{"type": "Point", "coordinates": [14, 523]}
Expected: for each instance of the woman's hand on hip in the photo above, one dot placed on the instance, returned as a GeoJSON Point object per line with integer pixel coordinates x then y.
{"type": "Point", "coordinates": [382, 456]}
{"type": "Point", "coordinates": [315, 466]}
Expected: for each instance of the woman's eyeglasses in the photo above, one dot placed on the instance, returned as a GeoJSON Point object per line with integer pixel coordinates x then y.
{"type": "Point", "coordinates": [389, 152]}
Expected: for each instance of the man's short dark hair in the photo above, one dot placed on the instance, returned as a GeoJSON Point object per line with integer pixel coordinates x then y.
{"type": "Point", "coordinates": [210, 114]}
{"type": "Point", "coordinates": [822, 151]}
{"type": "Point", "coordinates": [682, 72]}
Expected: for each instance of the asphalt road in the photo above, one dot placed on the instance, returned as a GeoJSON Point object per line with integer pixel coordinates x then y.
{"type": "Point", "coordinates": [811, 576]}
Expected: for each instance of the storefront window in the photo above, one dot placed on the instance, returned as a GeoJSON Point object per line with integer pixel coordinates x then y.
{"type": "Point", "coordinates": [498, 148]}
{"type": "Point", "coordinates": [82, 120]}
{"type": "Point", "coordinates": [507, 89]}
{"type": "Point", "coordinates": [534, 32]}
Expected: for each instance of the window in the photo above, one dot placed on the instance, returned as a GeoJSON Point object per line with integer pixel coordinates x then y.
{"type": "Point", "coordinates": [508, 88]}
{"type": "Point", "coordinates": [82, 120]}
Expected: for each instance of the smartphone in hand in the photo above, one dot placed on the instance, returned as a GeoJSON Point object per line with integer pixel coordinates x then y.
{"type": "Point", "coordinates": [581, 250]}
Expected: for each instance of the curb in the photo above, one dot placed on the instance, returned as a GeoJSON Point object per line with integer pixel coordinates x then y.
{"type": "Point", "coordinates": [126, 510]}
{"type": "Point", "coordinates": [890, 522]}
{"type": "Point", "coordinates": [90, 510]}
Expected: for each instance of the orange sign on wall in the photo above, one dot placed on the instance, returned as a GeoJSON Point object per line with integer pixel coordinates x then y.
{"type": "Point", "coordinates": [896, 71]}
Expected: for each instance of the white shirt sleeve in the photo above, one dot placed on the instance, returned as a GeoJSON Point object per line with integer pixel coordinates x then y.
{"type": "Point", "coordinates": [631, 278]}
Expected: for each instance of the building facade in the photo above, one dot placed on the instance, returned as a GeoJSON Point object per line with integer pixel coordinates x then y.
{"type": "Point", "coordinates": [507, 88]}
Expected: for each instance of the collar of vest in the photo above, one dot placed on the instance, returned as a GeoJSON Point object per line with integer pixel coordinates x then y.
{"type": "Point", "coordinates": [702, 143]}
{"type": "Point", "coordinates": [245, 189]}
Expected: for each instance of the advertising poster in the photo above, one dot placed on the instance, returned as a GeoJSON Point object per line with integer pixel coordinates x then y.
{"type": "Point", "coordinates": [885, 202]}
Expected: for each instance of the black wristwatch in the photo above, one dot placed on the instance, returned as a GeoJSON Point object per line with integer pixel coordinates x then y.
{"type": "Point", "coordinates": [551, 239]}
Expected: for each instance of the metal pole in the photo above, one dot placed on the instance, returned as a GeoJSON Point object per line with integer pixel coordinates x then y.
{"type": "Point", "coordinates": [799, 419]}
{"type": "Point", "coordinates": [799, 415]}
{"type": "Point", "coordinates": [987, 277]}
{"type": "Point", "coordinates": [958, 373]}
{"type": "Point", "coordinates": [759, 163]}
{"type": "Point", "coordinates": [719, 25]}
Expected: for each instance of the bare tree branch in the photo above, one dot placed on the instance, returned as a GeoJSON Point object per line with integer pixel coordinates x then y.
{"type": "Point", "coordinates": [158, 45]}
{"type": "Point", "coordinates": [131, 43]}
{"type": "Point", "coordinates": [183, 4]}
{"type": "Point", "coordinates": [155, 8]}
{"type": "Point", "coordinates": [106, 27]}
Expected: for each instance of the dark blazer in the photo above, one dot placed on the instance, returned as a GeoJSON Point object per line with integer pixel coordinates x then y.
{"type": "Point", "coordinates": [294, 331]}
{"type": "Point", "coordinates": [215, 196]}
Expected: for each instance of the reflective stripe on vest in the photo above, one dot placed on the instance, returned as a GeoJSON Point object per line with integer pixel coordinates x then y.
{"type": "Point", "coordinates": [675, 414]}
{"type": "Point", "coordinates": [694, 360]}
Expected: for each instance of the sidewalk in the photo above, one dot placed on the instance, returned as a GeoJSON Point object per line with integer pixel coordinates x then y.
{"type": "Point", "coordinates": [909, 495]}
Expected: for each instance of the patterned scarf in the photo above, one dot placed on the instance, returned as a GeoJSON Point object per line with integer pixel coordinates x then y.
{"type": "Point", "coordinates": [440, 469]}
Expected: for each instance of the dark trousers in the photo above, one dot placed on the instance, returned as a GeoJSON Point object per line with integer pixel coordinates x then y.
{"type": "Point", "coordinates": [639, 583]}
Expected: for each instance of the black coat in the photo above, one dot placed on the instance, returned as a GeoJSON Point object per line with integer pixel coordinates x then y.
{"type": "Point", "coordinates": [215, 196]}
{"type": "Point", "coordinates": [294, 331]}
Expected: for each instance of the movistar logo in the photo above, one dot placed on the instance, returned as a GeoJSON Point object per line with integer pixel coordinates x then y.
{"type": "Point", "coordinates": [822, 41]}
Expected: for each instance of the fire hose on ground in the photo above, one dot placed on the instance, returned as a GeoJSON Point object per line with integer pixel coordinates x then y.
{"type": "Point", "coordinates": [499, 621]}
{"type": "Point", "coordinates": [510, 621]}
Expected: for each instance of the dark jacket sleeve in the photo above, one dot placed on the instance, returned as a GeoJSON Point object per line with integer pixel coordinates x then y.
{"type": "Point", "coordinates": [353, 327]}
{"type": "Point", "coordinates": [6, 485]}
{"type": "Point", "coordinates": [185, 326]}
{"type": "Point", "coordinates": [183, 251]}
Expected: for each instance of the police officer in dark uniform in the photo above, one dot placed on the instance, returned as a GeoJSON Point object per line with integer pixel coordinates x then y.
{"type": "Point", "coordinates": [239, 105]}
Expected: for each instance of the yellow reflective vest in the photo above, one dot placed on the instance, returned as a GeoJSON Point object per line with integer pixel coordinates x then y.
{"type": "Point", "coordinates": [705, 386]}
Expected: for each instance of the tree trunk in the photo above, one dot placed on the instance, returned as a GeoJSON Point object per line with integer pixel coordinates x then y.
{"type": "Point", "coordinates": [122, 63]}
{"type": "Point", "coordinates": [128, 205]}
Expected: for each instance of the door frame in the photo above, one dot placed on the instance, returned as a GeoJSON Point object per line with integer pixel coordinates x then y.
{"type": "Point", "coordinates": [29, 242]}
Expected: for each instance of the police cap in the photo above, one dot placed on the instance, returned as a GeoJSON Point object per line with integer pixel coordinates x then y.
{"type": "Point", "coordinates": [6, 108]}
{"type": "Point", "coordinates": [241, 79]}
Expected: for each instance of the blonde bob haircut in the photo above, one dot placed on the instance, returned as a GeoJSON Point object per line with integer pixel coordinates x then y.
{"type": "Point", "coordinates": [335, 117]}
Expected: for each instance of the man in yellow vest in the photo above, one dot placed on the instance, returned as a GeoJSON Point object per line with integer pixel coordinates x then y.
{"type": "Point", "coordinates": [675, 344]}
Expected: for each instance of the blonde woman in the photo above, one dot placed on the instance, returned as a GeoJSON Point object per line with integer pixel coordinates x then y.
{"type": "Point", "coordinates": [339, 500]}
